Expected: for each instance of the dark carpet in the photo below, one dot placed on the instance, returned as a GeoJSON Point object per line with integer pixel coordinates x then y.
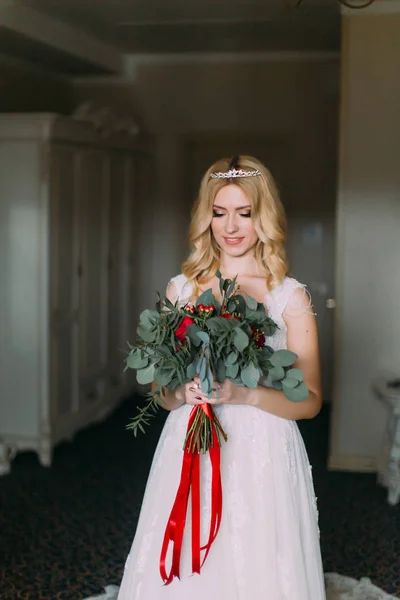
{"type": "Point", "coordinates": [65, 531]}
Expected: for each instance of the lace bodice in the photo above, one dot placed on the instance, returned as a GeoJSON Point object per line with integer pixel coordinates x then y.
{"type": "Point", "coordinates": [281, 300]}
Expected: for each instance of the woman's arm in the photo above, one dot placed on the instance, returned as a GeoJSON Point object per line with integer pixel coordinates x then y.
{"type": "Point", "coordinates": [173, 400]}
{"type": "Point", "coordinates": [302, 338]}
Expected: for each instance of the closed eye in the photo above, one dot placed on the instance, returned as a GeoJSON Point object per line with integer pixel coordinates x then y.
{"type": "Point", "coordinates": [246, 215]}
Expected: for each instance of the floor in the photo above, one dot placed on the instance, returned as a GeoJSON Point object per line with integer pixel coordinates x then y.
{"type": "Point", "coordinates": [65, 531]}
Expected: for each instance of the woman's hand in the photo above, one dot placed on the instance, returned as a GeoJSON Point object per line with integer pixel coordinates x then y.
{"type": "Point", "coordinates": [189, 393]}
{"type": "Point", "coordinates": [228, 393]}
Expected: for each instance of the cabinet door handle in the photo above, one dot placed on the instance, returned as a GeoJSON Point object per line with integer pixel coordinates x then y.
{"type": "Point", "coordinates": [80, 270]}
{"type": "Point", "coordinates": [330, 303]}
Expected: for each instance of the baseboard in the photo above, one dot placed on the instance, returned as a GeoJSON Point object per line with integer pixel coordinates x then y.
{"type": "Point", "coordinates": [352, 462]}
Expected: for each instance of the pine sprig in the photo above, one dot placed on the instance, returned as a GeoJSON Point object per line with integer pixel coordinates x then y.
{"type": "Point", "coordinates": [145, 413]}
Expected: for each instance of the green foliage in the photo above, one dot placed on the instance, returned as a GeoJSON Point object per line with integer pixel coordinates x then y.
{"type": "Point", "coordinates": [217, 345]}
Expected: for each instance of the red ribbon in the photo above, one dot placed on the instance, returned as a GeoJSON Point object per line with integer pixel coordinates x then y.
{"type": "Point", "coordinates": [190, 480]}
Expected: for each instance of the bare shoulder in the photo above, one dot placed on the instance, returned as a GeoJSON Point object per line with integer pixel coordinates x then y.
{"type": "Point", "coordinates": [302, 328]}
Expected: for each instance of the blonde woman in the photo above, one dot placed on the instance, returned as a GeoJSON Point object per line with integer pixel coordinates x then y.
{"type": "Point", "coordinates": [267, 547]}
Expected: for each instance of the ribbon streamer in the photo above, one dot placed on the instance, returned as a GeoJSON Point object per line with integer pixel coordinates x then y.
{"type": "Point", "coordinates": [190, 481]}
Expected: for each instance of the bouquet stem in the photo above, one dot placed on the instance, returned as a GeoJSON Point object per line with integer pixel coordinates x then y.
{"type": "Point", "coordinates": [199, 437]}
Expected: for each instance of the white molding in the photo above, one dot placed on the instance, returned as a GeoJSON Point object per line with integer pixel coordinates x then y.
{"type": "Point", "coordinates": [379, 7]}
{"type": "Point", "coordinates": [352, 462]}
{"type": "Point", "coordinates": [225, 20]}
{"type": "Point", "coordinates": [134, 61]}
{"type": "Point", "coordinates": [31, 23]}
{"type": "Point", "coordinates": [137, 60]}
{"type": "Point", "coordinates": [102, 80]}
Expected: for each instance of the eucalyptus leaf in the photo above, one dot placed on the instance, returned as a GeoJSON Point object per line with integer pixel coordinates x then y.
{"type": "Point", "coordinates": [217, 307]}
{"type": "Point", "coordinates": [267, 351]}
{"type": "Point", "coordinates": [164, 350]}
{"type": "Point", "coordinates": [240, 340]}
{"type": "Point", "coordinates": [174, 384]}
{"type": "Point", "coordinates": [221, 282]}
{"type": "Point", "coordinates": [207, 298]}
{"type": "Point", "coordinates": [231, 358]}
{"type": "Point", "coordinates": [221, 371]}
{"type": "Point", "coordinates": [276, 373]}
{"type": "Point", "coordinates": [250, 375]}
{"type": "Point", "coordinates": [217, 324]}
{"type": "Point", "coordinates": [251, 303]}
{"type": "Point", "coordinates": [203, 368]}
{"type": "Point", "coordinates": [269, 330]}
{"type": "Point", "coordinates": [296, 374]}
{"type": "Point", "coordinates": [205, 383]}
{"type": "Point", "coordinates": [277, 385]}
{"type": "Point", "coordinates": [203, 336]}
{"type": "Point", "coordinates": [283, 358]}
{"type": "Point", "coordinates": [231, 305]}
{"type": "Point", "coordinates": [231, 287]}
{"type": "Point", "coordinates": [191, 370]}
{"type": "Point", "coordinates": [240, 304]}
{"type": "Point", "coordinates": [181, 374]}
{"type": "Point", "coordinates": [191, 333]}
{"type": "Point", "coordinates": [227, 283]}
{"type": "Point", "coordinates": [149, 316]}
{"type": "Point", "coordinates": [163, 376]}
{"type": "Point", "coordinates": [136, 360]}
{"type": "Point", "coordinates": [209, 379]}
{"type": "Point", "coordinates": [289, 382]}
{"type": "Point", "coordinates": [145, 335]}
{"type": "Point", "coordinates": [232, 371]}
{"type": "Point", "coordinates": [146, 375]}
{"type": "Point", "coordinates": [297, 394]}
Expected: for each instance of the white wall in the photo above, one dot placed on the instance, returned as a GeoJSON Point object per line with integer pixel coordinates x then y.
{"type": "Point", "coordinates": [368, 274]}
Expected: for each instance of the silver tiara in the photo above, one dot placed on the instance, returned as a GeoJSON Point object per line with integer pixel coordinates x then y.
{"type": "Point", "coordinates": [234, 173]}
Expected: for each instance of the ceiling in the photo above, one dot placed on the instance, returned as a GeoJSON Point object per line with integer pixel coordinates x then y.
{"type": "Point", "coordinates": [188, 26]}
{"type": "Point", "coordinates": [33, 51]}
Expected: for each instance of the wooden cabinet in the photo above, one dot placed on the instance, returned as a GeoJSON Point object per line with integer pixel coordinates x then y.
{"type": "Point", "coordinates": [70, 210]}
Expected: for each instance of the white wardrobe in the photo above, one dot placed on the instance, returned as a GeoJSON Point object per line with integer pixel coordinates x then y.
{"type": "Point", "coordinates": [70, 206]}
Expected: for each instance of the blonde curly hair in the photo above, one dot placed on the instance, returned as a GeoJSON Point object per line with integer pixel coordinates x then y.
{"type": "Point", "coordinates": [268, 217]}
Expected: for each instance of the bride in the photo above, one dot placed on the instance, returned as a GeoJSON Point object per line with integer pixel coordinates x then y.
{"type": "Point", "coordinates": [268, 546]}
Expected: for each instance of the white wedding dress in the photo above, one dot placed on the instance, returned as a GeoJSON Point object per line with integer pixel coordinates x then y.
{"type": "Point", "coordinates": [267, 547]}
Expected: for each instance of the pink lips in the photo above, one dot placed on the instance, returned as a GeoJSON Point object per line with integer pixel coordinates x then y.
{"type": "Point", "coordinates": [233, 241]}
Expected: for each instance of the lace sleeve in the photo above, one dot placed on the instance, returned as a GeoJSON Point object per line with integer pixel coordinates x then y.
{"type": "Point", "coordinates": [299, 302]}
{"type": "Point", "coordinates": [179, 289]}
{"type": "Point", "coordinates": [172, 291]}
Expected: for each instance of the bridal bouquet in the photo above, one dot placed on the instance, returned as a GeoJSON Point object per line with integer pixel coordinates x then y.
{"type": "Point", "coordinates": [214, 341]}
